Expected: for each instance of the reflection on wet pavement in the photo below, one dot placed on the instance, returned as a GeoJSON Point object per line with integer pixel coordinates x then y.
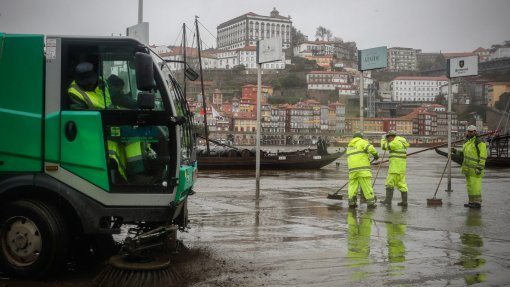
{"type": "Point", "coordinates": [295, 236]}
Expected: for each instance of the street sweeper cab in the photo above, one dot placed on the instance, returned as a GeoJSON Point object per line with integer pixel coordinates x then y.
{"type": "Point", "coordinates": [93, 136]}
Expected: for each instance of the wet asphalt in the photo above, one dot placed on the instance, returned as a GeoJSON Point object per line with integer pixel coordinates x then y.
{"type": "Point", "coordinates": [294, 236]}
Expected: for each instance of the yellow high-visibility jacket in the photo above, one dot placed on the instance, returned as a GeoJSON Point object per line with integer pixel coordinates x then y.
{"type": "Point", "coordinates": [358, 150]}
{"type": "Point", "coordinates": [397, 154]}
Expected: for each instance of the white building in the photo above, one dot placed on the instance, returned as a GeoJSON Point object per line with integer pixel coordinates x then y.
{"type": "Point", "coordinates": [402, 59]}
{"type": "Point", "coordinates": [328, 80]}
{"type": "Point", "coordinates": [314, 48]}
{"type": "Point", "coordinates": [246, 29]}
{"type": "Point", "coordinates": [247, 56]}
{"type": "Point", "coordinates": [502, 52]}
{"type": "Point", "coordinates": [416, 89]}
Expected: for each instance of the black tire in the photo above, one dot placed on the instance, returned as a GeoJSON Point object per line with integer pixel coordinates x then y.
{"type": "Point", "coordinates": [33, 239]}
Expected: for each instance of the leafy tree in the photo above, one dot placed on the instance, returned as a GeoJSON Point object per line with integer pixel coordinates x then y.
{"type": "Point", "coordinates": [503, 103]}
{"type": "Point", "coordinates": [440, 99]}
{"type": "Point", "coordinates": [292, 81]}
{"type": "Point", "coordinates": [337, 39]}
{"type": "Point", "coordinates": [322, 33]}
{"type": "Point", "coordinates": [296, 37]}
{"type": "Point", "coordinates": [238, 69]}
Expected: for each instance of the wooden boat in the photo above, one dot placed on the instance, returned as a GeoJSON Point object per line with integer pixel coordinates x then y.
{"type": "Point", "coordinates": [497, 152]}
{"type": "Point", "coordinates": [233, 158]}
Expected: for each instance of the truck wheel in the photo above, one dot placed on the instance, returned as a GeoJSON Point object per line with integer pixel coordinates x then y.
{"type": "Point", "coordinates": [33, 238]}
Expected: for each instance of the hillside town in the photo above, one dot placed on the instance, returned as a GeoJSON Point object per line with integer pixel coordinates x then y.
{"type": "Point", "coordinates": [314, 90]}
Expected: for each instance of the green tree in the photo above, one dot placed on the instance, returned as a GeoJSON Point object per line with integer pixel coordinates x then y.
{"type": "Point", "coordinates": [296, 37]}
{"type": "Point", "coordinates": [322, 33]}
{"type": "Point", "coordinates": [440, 99]}
{"type": "Point", "coordinates": [292, 81]}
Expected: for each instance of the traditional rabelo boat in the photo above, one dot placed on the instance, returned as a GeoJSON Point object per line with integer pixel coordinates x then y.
{"type": "Point", "coordinates": [227, 157]}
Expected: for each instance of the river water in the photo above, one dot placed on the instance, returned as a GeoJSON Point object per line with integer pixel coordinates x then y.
{"type": "Point", "coordinates": [295, 236]}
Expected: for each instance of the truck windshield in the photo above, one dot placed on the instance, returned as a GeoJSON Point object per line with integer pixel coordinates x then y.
{"type": "Point", "coordinates": [180, 103]}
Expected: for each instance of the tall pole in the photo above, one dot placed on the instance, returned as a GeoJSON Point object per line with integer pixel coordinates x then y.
{"type": "Point", "coordinates": [257, 148]}
{"type": "Point", "coordinates": [449, 188]}
{"type": "Point", "coordinates": [202, 86]}
{"type": "Point", "coordinates": [184, 44]}
{"type": "Point", "coordinates": [140, 11]}
{"type": "Point", "coordinates": [361, 108]}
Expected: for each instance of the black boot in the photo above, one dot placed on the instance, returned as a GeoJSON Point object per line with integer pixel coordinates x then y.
{"type": "Point", "coordinates": [389, 196]}
{"type": "Point", "coordinates": [353, 202]}
{"type": "Point", "coordinates": [404, 199]}
{"type": "Point", "coordinates": [470, 202]}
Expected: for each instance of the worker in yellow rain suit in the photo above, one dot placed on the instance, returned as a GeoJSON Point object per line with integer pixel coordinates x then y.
{"type": "Point", "coordinates": [397, 147]}
{"type": "Point", "coordinates": [358, 243]}
{"type": "Point", "coordinates": [474, 152]}
{"type": "Point", "coordinates": [360, 170]}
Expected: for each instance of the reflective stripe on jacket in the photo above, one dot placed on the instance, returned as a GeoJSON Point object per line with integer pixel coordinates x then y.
{"type": "Point", "coordinates": [115, 152]}
{"type": "Point", "coordinates": [397, 154]}
{"type": "Point", "coordinates": [357, 154]}
{"type": "Point", "coordinates": [93, 99]}
{"type": "Point", "coordinates": [473, 158]}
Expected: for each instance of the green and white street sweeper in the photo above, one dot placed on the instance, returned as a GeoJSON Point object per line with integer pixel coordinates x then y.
{"type": "Point", "coordinates": [95, 134]}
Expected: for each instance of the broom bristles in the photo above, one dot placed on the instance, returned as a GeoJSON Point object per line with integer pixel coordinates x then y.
{"type": "Point", "coordinates": [116, 277]}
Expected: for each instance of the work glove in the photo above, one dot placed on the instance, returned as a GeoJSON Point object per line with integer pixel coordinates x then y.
{"type": "Point", "coordinates": [454, 150]}
{"type": "Point", "coordinates": [376, 157]}
{"type": "Point", "coordinates": [383, 137]}
{"type": "Point", "coordinates": [478, 171]}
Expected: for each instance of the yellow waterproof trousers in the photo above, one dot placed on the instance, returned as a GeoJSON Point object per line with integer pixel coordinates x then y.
{"type": "Point", "coordinates": [366, 186]}
{"type": "Point", "coordinates": [398, 180]}
{"type": "Point", "coordinates": [474, 188]}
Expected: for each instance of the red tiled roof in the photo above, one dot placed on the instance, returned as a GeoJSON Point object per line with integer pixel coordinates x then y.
{"type": "Point", "coordinates": [480, 49]}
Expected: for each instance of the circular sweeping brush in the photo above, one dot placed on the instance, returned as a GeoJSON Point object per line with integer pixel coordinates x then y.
{"type": "Point", "coordinates": [128, 271]}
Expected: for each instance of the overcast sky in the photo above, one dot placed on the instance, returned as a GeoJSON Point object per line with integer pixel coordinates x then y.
{"type": "Point", "coordinates": [430, 25]}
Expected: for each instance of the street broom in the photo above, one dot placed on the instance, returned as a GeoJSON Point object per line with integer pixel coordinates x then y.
{"type": "Point", "coordinates": [144, 260]}
{"type": "Point", "coordinates": [437, 201]}
{"type": "Point", "coordinates": [335, 195]}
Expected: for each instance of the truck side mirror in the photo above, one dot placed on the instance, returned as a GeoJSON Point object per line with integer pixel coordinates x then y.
{"type": "Point", "coordinates": [146, 101]}
{"type": "Point", "coordinates": [144, 72]}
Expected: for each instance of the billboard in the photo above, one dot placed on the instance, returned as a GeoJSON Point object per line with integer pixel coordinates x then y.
{"type": "Point", "coordinates": [462, 67]}
{"type": "Point", "coordinates": [139, 32]}
{"type": "Point", "coordinates": [374, 58]}
{"type": "Point", "coordinates": [269, 50]}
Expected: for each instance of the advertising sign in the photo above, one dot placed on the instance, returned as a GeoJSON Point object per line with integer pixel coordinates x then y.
{"type": "Point", "coordinates": [269, 50]}
{"type": "Point", "coordinates": [462, 67]}
{"type": "Point", "coordinates": [374, 58]}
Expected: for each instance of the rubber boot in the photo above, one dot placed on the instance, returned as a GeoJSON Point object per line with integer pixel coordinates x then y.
{"type": "Point", "coordinates": [389, 196]}
{"type": "Point", "coordinates": [470, 201]}
{"type": "Point", "coordinates": [352, 202]}
{"type": "Point", "coordinates": [404, 199]}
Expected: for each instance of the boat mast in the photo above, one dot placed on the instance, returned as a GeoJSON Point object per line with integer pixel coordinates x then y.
{"type": "Point", "coordinates": [206, 130]}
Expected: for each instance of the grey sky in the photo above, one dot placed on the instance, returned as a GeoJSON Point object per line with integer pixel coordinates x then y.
{"type": "Point", "coordinates": [430, 25]}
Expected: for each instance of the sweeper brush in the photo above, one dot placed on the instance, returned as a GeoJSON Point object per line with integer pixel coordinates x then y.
{"type": "Point", "coordinates": [144, 260]}
{"type": "Point", "coordinates": [124, 272]}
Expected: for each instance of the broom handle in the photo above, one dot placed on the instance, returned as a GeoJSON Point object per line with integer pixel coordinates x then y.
{"type": "Point", "coordinates": [441, 179]}
{"type": "Point", "coordinates": [379, 168]}
{"type": "Point", "coordinates": [441, 145]}
{"type": "Point", "coordinates": [340, 188]}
